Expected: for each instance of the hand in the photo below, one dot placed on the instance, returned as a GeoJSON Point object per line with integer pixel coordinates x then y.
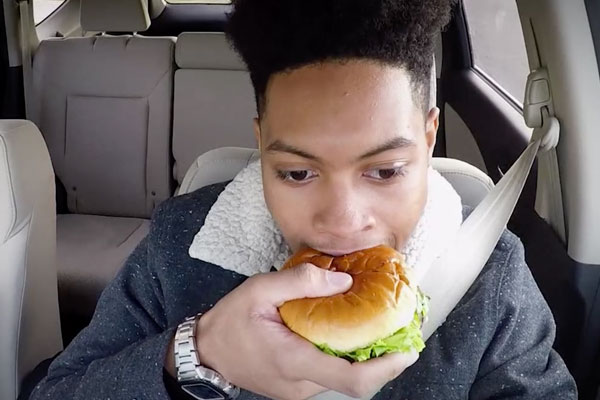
{"type": "Point", "coordinates": [243, 338]}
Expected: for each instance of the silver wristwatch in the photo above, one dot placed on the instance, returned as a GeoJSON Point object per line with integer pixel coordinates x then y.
{"type": "Point", "coordinates": [199, 382]}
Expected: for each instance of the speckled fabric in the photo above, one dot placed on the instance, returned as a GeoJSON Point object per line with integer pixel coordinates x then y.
{"type": "Point", "coordinates": [496, 344]}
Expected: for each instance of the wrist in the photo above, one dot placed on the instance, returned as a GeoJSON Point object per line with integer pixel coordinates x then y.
{"type": "Point", "coordinates": [169, 364]}
{"type": "Point", "coordinates": [195, 377]}
{"type": "Point", "coordinates": [170, 358]}
{"type": "Point", "coordinates": [202, 348]}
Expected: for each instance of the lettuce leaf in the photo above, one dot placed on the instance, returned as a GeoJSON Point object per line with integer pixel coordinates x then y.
{"type": "Point", "coordinates": [404, 340]}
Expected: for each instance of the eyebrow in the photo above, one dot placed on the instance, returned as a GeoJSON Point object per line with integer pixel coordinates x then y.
{"type": "Point", "coordinates": [279, 146]}
{"type": "Point", "coordinates": [392, 144]}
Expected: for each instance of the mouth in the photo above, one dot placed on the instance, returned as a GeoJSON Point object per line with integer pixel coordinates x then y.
{"type": "Point", "coordinates": [338, 253]}
{"type": "Point", "coordinates": [343, 249]}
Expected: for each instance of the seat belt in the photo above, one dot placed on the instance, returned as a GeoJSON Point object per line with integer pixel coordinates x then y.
{"type": "Point", "coordinates": [451, 275]}
{"type": "Point", "coordinates": [448, 279]}
{"type": "Point", "coordinates": [26, 53]}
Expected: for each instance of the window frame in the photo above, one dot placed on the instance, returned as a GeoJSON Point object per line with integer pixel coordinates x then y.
{"type": "Point", "coordinates": [514, 102]}
{"type": "Point", "coordinates": [61, 5]}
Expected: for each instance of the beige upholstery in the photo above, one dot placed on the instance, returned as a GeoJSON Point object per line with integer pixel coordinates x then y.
{"type": "Point", "coordinates": [218, 165]}
{"type": "Point", "coordinates": [223, 164]}
{"type": "Point", "coordinates": [103, 105]}
{"type": "Point", "coordinates": [207, 50]}
{"type": "Point", "coordinates": [470, 182]}
{"type": "Point", "coordinates": [115, 15]}
{"type": "Point", "coordinates": [91, 250]}
{"type": "Point", "coordinates": [29, 318]}
{"type": "Point", "coordinates": [214, 100]}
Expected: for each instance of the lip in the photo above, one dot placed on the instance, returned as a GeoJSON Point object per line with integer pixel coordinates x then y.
{"type": "Point", "coordinates": [338, 253]}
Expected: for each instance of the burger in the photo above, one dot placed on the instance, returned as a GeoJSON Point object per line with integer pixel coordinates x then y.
{"type": "Point", "coordinates": [381, 313]}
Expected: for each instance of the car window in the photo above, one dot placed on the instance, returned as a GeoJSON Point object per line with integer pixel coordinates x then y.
{"type": "Point", "coordinates": [43, 8]}
{"type": "Point", "coordinates": [497, 44]}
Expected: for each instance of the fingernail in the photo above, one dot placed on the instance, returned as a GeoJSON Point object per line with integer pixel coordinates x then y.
{"type": "Point", "coordinates": [340, 279]}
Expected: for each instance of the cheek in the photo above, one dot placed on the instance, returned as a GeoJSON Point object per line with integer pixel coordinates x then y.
{"type": "Point", "coordinates": [400, 208]}
{"type": "Point", "coordinates": [284, 205]}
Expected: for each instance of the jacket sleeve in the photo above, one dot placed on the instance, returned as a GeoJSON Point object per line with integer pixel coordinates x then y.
{"type": "Point", "coordinates": [520, 363]}
{"type": "Point", "coordinates": [120, 355]}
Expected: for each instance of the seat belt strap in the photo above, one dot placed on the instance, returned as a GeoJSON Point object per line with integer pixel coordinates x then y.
{"type": "Point", "coordinates": [450, 276]}
{"type": "Point", "coordinates": [548, 199]}
{"type": "Point", "coordinates": [26, 53]}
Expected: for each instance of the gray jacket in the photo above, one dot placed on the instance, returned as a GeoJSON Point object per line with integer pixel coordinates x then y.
{"type": "Point", "coordinates": [496, 344]}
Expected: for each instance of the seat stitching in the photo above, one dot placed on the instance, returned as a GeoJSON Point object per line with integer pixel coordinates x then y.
{"type": "Point", "coordinates": [483, 181]}
{"type": "Point", "coordinates": [131, 234]}
{"type": "Point", "coordinates": [13, 204]}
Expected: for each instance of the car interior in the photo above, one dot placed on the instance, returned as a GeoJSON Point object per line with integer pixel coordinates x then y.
{"type": "Point", "coordinates": [110, 107]}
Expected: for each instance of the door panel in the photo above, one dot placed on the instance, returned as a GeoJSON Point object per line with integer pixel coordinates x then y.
{"type": "Point", "coordinates": [495, 120]}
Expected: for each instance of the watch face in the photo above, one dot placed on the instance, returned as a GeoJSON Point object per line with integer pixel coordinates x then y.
{"type": "Point", "coordinates": [203, 391]}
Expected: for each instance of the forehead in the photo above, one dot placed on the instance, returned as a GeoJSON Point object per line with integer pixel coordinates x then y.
{"type": "Point", "coordinates": [331, 99]}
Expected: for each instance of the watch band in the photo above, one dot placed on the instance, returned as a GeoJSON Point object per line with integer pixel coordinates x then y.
{"type": "Point", "coordinates": [187, 364]}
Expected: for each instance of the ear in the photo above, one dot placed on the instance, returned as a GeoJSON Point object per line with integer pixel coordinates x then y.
{"type": "Point", "coordinates": [257, 134]}
{"type": "Point", "coordinates": [431, 126]}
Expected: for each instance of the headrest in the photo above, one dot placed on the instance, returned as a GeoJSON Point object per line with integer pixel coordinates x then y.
{"type": "Point", "coordinates": [25, 173]}
{"type": "Point", "coordinates": [227, 162]}
{"type": "Point", "coordinates": [224, 163]}
{"type": "Point", "coordinates": [471, 184]}
{"type": "Point", "coordinates": [115, 15]}
{"type": "Point", "coordinates": [206, 50]}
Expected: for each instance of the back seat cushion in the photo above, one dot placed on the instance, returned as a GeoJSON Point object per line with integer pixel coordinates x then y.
{"type": "Point", "coordinates": [103, 105]}
{"type": "Point", "coordinates": [91, 249]}
{"type": "Point", "coordinates": [214, 99]}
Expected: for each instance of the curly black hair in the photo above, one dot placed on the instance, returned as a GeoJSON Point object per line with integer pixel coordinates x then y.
{"type": "Point", "coordinates": [278, 35]}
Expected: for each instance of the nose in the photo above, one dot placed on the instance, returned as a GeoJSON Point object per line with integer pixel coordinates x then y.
{"type": "Point", "coordinates": [343, 213]}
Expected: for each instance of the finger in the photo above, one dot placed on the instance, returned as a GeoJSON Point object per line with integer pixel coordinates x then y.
{"type": "Point", "coordinates": [309, 363]}
{"type": "Point", "coordinates": [306, 390]}
{"type": "Point", "coordinates": [304, 280]}
{"type": "Point", "coordinates": [358, 379]}
{"type": "Point", "coordinates": [293, 390]}
{"type": "Point", "coordinates": [381, 370]}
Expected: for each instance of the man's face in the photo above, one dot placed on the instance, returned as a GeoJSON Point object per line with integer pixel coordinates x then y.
{"type": "Point", "coordinates": [345, 152]}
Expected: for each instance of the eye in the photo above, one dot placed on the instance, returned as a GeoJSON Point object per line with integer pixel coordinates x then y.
{"type": "Point", "coordinates": [298, 176]}
{"type": "Point", "coordinates": [385, 174]}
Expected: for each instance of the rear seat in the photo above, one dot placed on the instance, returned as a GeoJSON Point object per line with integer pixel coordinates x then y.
{"type": "Point", "coordinates": [104, 106]}
{"type": "Point", "coordinates": [214, 100]}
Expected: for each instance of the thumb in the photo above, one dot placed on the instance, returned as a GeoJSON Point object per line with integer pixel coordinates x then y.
{"type": "Point", "coordinates": [302, 281]}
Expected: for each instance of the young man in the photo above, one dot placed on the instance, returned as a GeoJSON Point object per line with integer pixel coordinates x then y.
{"type": "Point", "coordinates": [346, 133]}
